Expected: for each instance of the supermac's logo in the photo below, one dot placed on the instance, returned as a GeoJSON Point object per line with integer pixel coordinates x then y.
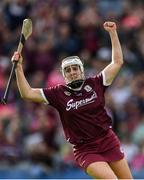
{"type": "Point", "coordinates": [71, 104]}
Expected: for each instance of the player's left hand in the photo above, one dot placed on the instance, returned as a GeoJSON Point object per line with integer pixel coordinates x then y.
{"type": "Point", "coordinates": [110, 26]}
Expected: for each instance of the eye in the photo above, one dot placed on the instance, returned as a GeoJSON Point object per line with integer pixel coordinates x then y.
{"type": "Point", "coordinates": [67, 69]}
{"type": "Point", "coordinates": [75, 68]}
{"type": "Point", "coordinates": [71, 68]}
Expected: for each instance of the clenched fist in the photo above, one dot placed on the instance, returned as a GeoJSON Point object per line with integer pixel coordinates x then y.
{"type": "Point", "coordinates": [17, 57]}
{"type": "Point", "coordinates": [110, 26]}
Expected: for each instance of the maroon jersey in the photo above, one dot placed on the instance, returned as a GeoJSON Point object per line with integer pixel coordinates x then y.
{"type": "Point", "coordinates": [82, 113]}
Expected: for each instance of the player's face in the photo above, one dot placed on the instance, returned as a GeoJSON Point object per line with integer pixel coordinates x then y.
{"type": "Point", "coordinates": [72, 73]}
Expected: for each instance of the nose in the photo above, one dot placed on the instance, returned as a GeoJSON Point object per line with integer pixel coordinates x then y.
{"type": "Point", "coordinates": [72, 71]}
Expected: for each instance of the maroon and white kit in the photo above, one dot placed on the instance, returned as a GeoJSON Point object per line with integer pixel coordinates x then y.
{"type": "Point", "coordinates": [85, 121]}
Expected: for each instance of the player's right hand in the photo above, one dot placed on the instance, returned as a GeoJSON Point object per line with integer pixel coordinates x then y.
{"type": "Point", "coordinates": [17, 57]}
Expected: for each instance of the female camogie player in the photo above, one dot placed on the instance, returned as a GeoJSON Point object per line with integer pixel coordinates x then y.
{"type": "Point", "coordinates": [81, 105]}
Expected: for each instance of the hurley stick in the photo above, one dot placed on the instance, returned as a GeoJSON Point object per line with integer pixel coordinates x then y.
{"type": "Point", "coordinates": [25, 33]}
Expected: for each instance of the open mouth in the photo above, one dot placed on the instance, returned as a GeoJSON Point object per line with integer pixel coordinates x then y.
{"type": "Point", "coordinates": [74, 77]}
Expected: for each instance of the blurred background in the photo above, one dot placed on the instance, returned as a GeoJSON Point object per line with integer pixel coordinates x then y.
{"type": "Point", "coordinates": [32, 144]}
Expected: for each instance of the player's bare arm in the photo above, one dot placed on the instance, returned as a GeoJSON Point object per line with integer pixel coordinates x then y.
{"type": "Point", "coordinates": [32, 94]}
{"type": "Point", "coordinates": [113, 68]}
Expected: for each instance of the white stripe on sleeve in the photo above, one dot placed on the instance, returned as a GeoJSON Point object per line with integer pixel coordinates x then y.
{"type": "Point", "coordinates": [43, 95]}
{"type": "Point", "coordinates": [104, 79]}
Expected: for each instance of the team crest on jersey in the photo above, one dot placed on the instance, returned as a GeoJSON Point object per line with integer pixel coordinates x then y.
{"type": "Point", "coordinates": [88, 88]}
{"type": "Point", "coordinates": [67, 93]}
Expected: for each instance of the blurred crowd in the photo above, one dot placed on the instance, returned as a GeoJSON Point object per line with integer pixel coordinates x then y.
{"type": "Point", "coordinates": [32, 132]}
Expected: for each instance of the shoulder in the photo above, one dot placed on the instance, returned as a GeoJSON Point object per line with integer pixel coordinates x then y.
{"type": "Point", "coordinates": [55, 89]}
{"type": "Point", "coordinates": [53, 94]}
{"type": "Point", "coordinates": [95, 78]}
{"type": "Point", "coordinates": [97, 81]}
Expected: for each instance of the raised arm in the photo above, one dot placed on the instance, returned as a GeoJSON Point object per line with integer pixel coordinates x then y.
{"type": "Point", "coordinates": [24, 88]}
{"type": "Point", "coordinates": [113, 68]}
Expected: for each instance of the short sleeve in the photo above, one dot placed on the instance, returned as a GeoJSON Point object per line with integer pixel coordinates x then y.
{"type": "Point", "coordinates": [50, 95]}
{"type": "Point", "coordinates": [100, 80]}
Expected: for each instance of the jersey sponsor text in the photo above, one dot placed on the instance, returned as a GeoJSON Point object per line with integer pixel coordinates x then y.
{"type": "Point", "coordinates": [75, 105]}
